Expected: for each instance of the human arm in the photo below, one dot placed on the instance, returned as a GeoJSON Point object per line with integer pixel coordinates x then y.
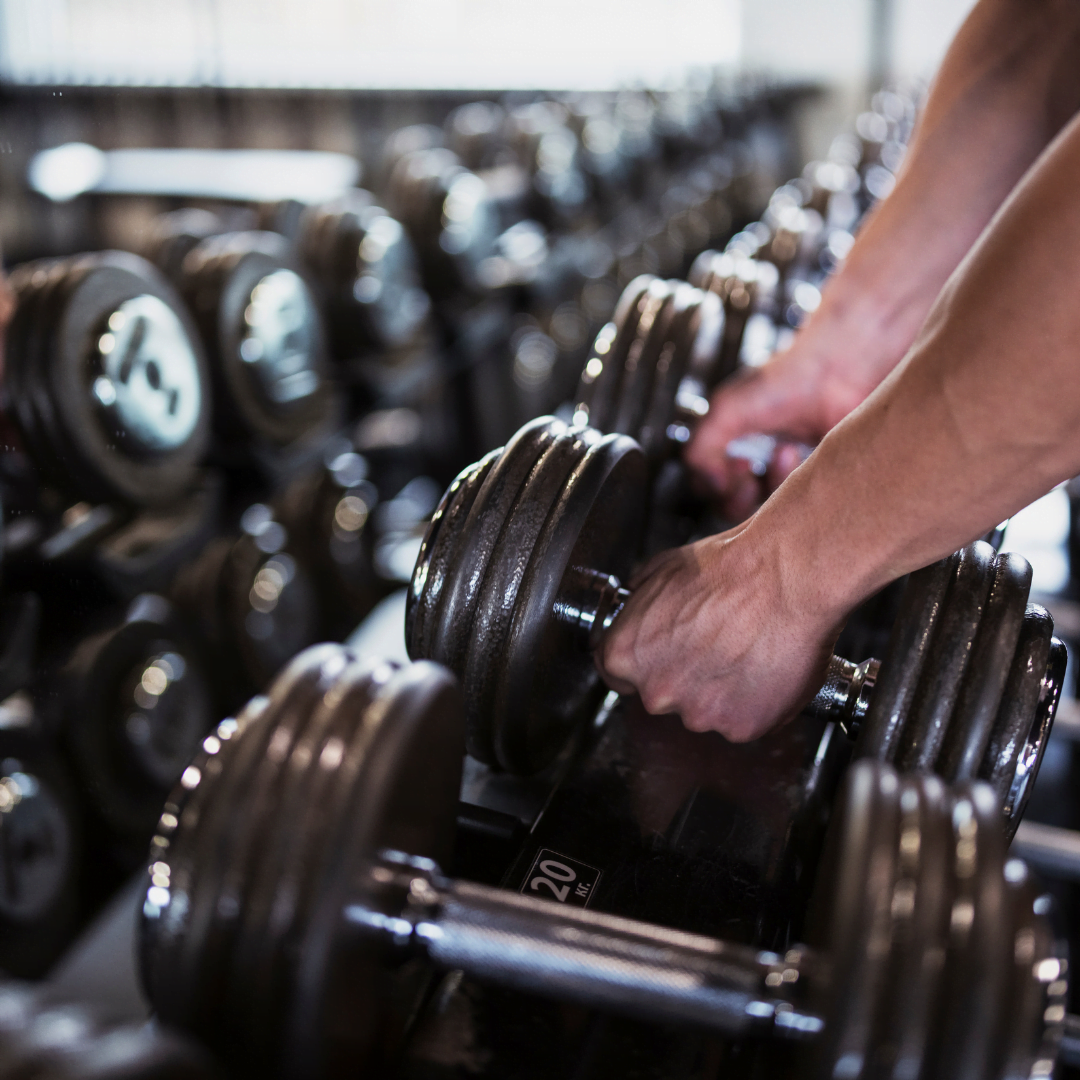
{"type": "Point", "coordinates": [981, 417]}
{"type": "Point", "coordinates": [1009, 82]}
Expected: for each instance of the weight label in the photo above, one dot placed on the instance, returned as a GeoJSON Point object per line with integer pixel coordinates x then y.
{"type": "Point", "coordinates": [562, 879]}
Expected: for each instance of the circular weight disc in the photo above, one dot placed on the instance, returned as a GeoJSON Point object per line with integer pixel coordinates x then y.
{"type": "Point", "coordinates": [653, 339]}
{"type": "Point", "coordinates": [136, 708]}
{"type": "Point", "coordinates": [851, 915]}
{"type": "Point", "coordinates": [672, 367]}
{"type": "Point", "coordinates": [1019, 703]}
{"type": "Point", "coordinates": [406, 778]}
{"type": "Point", "coordinates": [976, 976]}
{"type": "Point", "coordinates": [270, 352]}
{"type": "Point", "coordinates": [1031, 753]}
{"type": "Point", "coordinates": [453, 625]}
{"type": "Point", "coordinates": [921, 908]}
{"type": "Point", "coordinates": [233, 833]}
{"type": "Point", "coordinates": [602, 375]}
{"type": "Point", "coordinates": [981, 694]}
{"type": "Point", "coordinates": [497, 600]}
{"type": "Point", "coordinates": [947, 658]}
{"type": "Point", "coordinates": [282, 879]}
{"type": "Point", "coordinates": [1037, 981]}
{"type": "Point", "coordinates": [549, 684]}
{"type": "Point", "coordinates": [434, 563]}
{"type": "Point", "coordinates": [909, 641]}
{"type": "Point", "coordinates": [186, 927]}
{"type": "Point", "coordinates": [102, 467]}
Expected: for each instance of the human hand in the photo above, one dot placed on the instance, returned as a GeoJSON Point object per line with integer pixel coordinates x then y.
{"type": "Point", "coordinates": [724, 634]}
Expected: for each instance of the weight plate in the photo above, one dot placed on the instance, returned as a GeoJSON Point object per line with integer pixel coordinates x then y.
{"type": "Point", "coordinates": [1031, 754]}
{"type": "Point", "coordinates": [851, 917]}
{"type": "Point", "coordinates": [921, 908]}
{"type": "Point", "coordinates": [941, 678]}
{"type": "Point", "coordinates": [435, 561]}
{"type": "Point", "coordinates": [281, 881]}
{"type": "Point", "coordinates": [549, 683]}
{"type": "Point", "coordinates": [175, 864]}
{"type": "Point", "coordinates": [992, 654]}
{"type": "Point", "coordinates": [912, 633]}
{"type": "Point", "coordinates": [978, 957]}
{"type": "Point", "coordinates": [40, 856]}
{"type": "Point", "coordinates": [673, 365]}
{"type": "Point", "coordinates": [1038, 986]}
{"type": "Point", "coordinates": [1019, 702]}
{"type": "Point", "coordinates": [153, 460]}
{"type": "Point", "coordinates": [208, 873]}
{"type": "Point", "coordinates": [486, 659]}
{"type": "Point", "coordinates": [135, 708]}
{"type": "Point", "coordinates": [602, 375]}
{"type": "Point", "coordinates": [400, 778]}
{"type": "Point", "coordinates": [264, 337]}
{"type": "Point", "coordinates": [453, 627]}
{"type": "Point", "coordinates": [639, 371]}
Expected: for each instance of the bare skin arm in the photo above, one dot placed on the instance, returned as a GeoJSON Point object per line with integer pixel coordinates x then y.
{"type": "Point", "coordinates": [981, 417]}
{"type": "Point", "coordinates": [1010, 81]}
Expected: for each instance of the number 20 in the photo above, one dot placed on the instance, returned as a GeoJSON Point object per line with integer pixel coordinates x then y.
{"type": "Point", "coordinates": [560, 872]}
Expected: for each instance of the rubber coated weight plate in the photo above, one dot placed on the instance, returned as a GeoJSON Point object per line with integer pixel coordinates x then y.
{"type": "Point", "coordinates": [901, 666]}
{"type": "Point", "coordinates": [987, 670]}
{"type": "Point", "coordinates": [175, 866]}
{"type": "Point", "coordinates": [135, 708]}
{"type": "Point", "coordinates": [549, 683]}
{"type": "Point", "coordinates": [950, 651]}
{"type": "Point", "coordinates": [478, 538]}
{"type": "Point", "coordinates": [921, 908]}
{"type": "Point", "coordinates": [238, 832]}
{"type": "Point", "coordinates": [1037, 982]}
{"type": "Point", "coordinates": [852, 919]}
{"type": "Point", "coordinates": [141, 444]}
{"type": "Point", "coordinates": [639, 372]}
{"type": "Point", "coordinates": [281, 893]}
{"type": "Point", "coordinates": [1019, 703]}
{"type": "Point", "coordinates": [602, 375]}
{"type": "Point", "coordinates": [978, 958]}
{"type": "Point", "coordinates": [401, 782]}
{"type": "Point", "coordinates": [434, 563]}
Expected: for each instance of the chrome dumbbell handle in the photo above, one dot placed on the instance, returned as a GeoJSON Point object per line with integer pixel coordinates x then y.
{"type": "Point", "coordinates": [593, 959]}
{"type": "Point", "coordinates": [591, 602]}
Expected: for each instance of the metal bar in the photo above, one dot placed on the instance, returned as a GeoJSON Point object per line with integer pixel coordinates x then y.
{"type": "Point", "coordinates": [1051, 850]}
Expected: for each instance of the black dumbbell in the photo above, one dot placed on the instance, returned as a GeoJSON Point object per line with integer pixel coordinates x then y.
{"type": "Point", "coordinates": [131, 702]}
{"type": "Point", "coordinates": [295, 899]}
{"type": "Point", "coordinates": [252, 602]}
{"type": "Point", "coordinates": [367, 270]}
{"type": "Point", "coordinates": [328, 516]}
{"type": "Point", "coordinates": [519, 575]}
{"type": "Point", "coordinates": [449, 216]}
{"type": "Point", "coordinates": [264, 336]}
{"type": "Point", "coordinates": [53, 1040]}
{"type": "Point", "coordinates": [105, 380]}
{"type": "Point", "coordinates": [41, 847]}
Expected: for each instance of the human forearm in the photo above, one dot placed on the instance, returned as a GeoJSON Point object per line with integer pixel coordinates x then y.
{"type": "Point", "coordinates": [981, 417]}
{"type": "Point", "coordinates": [1007, 85]}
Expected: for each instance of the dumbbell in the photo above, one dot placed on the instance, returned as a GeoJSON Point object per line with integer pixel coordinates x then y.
{"type": "Point", "coordinates": [295, 901]}
{"type": "Point", "coordinates": [519, 576]}
{"type": "Point", "coordinates": [328, 516]}
{"type": "Point", "coordinates": [105, 380]}
{"type": "Point", "coordinates": [449, 215]}
{"type": "Point", "coordinates": [264, 337]}
{"type": "Point", "coordinates": [53, 1040]}
{"type": "Point", "coordinates": [41, 847]}
{"type": "Point", "coordinates": [252, 603]}
{"type": "Point", "coordinates": [366, 267]}
{"type": "Point", "coordinates": [131, 703]}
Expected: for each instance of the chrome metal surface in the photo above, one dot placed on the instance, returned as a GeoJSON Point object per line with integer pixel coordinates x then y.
{"type": "Point", "coordinates": [148, 377]}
